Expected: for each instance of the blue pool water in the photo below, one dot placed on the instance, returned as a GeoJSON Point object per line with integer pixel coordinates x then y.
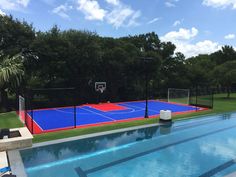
{"type": "Point", "coordinates": [198, 147]}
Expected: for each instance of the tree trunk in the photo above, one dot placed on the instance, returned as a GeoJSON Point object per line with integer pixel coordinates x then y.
{"type": "Point", "coordinates": [228, 92]}
{"type": "Point", "coordinates": [4, 100]}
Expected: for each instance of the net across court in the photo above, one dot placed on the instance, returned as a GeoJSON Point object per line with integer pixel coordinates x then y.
{"type": "Point", "coordinates": [53, 119]}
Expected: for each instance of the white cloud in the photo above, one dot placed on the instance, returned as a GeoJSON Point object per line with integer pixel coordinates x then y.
{"type": "Point", "coordinates": [182, 34]}
{"type": "Point", "coordinates": [118, 14]}
{"type": "Point", "coordinates": [62, 11]}
{"type": "Point", "coordinates": [202, 47]}
{"type": "Point", "coordinates": [113, 2]}
{"type": "Point", "coordinates": [176, 23]}
{"type": "Point", "coordinates": [230, 36]}
{"type": "Point", "coordinates": [2, 13]}
{"type": "Point", "coordinates": [23, 2]}
{"type": "Point", "coordinates": [133, 19]}
{"type": "Point", "coordinates": [153, 20]}
{"type": "Point", "coordinates": [122, 15]}
{"type": "Point", "coordinates": [91, 9]}
{"type": "Point", "coordinates": [14, 4]}
{"type": "Point", "coordinates": [169, 4]}
{"type": "Point", "coordinates": [220, 3]}
{"type": "Point", "coordinates": [182, 39]}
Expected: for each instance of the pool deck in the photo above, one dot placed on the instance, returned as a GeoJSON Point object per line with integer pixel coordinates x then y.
{"type": "Point", "coordinates": [3, 160]}
{"type": "Point", "coordinates": [24, 140]}
{"type": "Point", "coordinates": [17, 166]}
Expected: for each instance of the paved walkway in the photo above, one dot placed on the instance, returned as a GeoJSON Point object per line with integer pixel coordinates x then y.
{"type": "Point", "coordinates": [3, 160]}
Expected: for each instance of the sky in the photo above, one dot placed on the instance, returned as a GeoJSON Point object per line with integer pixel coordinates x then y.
{"type": "Point", "coordinates": [194, 26]}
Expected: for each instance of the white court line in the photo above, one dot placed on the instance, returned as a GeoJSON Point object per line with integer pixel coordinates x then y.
{"type": "Point", "coordinates": [98, 114]}
{"type": "Point", "coordinates": [34, 121]}
{"type": "Point", "coordinates": [127, 112]}
{"type": "Point", "coordinates": [113, 113]}
{"type": "Point", "coordinates": [139, 107]}
{"type": "Point", "coordinates": [69, 112]}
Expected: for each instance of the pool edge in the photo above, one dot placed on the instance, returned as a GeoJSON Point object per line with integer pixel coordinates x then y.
{"type": "Point", "coordinates": [16, 163]}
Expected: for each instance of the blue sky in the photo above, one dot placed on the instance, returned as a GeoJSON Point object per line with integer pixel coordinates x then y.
{"type": "Point", "coordinates": [194, 26]}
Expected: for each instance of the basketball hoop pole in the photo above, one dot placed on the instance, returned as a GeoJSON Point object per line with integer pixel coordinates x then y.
{"type": "Point", "coordinates": [146, 85]}
{"type": "Point", "coordinates": [146, 60]}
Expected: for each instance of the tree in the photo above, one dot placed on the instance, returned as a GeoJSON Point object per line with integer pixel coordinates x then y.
{"type": "Point", "coordinates": [11, 74]}
{"type": "Point", "coordinates": [15, 35]}
{"type": "Point", "coordinates": [225, 75]}
{"type": "Point", "coordinates": [227, 53]}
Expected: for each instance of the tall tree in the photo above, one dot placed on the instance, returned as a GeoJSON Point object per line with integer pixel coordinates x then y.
{"type": "Point", "coordinates": [15, 35]}
{"type": "Point", "coordinates": [11, 74]}
{"type": "Point", "coordinates": [225, 75]}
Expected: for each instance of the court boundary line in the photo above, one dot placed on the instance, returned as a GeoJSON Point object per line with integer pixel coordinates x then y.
{"type": "Point", "coordinates": [34, 123]}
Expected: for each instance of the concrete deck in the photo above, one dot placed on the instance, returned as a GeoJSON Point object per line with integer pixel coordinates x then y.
{"type": "Point", "coordinates": [3, 160]}
{"type": "Point", "coordinates": [19, 142]}
{"type": "Point", "coordinates": [17, 166]}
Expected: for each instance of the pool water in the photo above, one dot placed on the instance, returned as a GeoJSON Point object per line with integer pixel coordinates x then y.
{"type": "Point", "coordinates": [203, 147]}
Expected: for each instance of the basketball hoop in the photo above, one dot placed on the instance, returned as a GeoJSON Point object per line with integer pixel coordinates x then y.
{"type": "Point", "coordinates": [100, 86]}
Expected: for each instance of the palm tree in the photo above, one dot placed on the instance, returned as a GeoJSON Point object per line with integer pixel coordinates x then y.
{"type": "Point", "coordinates": [11, 75]}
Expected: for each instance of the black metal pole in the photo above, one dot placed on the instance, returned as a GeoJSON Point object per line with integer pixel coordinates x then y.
{"type": "Point", "coordinates": [32, 111]}
{"type": "Point", "coordinates": [146, 80]}
{"type": "Point", "coordinates": [212, 97]}
{"type": "Point", "coordinates": [26, 107]}
{"type": "Point", "coordinates": [196, 98]}
{"type": "Point", "coordinates": [75, 114]}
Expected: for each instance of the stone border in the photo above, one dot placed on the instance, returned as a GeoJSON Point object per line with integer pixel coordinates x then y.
{"type": "Point", "coordinates": [25, 140]}
{"type": "Point", "coordinates": [91, 135]}
{"type": "Point", "coordinates": [16, 163]}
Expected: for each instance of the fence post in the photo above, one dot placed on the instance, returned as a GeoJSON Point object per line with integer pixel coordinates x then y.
{"type": "Point", "coordinates": [75, 122]}
{"type": "Point", "coordinates": [74, 116]}
{"type": "Point", "coordinates": [196, 97]}
{"type": "Point", "coordinates": [212, 101]}
{"type": "Point", "coordinates": [26, 106]}
{"type": "Point", "coordinates": [31, 110]}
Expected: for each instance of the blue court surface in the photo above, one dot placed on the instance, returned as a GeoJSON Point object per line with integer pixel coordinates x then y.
{"type": "Point", "coordinates": [53, 119]}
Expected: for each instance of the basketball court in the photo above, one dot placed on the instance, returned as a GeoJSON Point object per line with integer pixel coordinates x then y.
{"type": "Point", "coordinates": [54, 119]}
{"type": "Point", "coordinates": [49, 119]}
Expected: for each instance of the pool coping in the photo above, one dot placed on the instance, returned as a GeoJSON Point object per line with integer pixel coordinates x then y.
{"type": "Point", "coordinates": [16, 163]}
{"type": "Point", "coordinates": [91, 135]}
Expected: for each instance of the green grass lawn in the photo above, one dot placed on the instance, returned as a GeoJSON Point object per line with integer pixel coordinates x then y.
{"type": "Point", "coordinates": [10, 120]}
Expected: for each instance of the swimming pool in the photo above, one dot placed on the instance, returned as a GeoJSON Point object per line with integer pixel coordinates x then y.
{"type": "Point", "coordinates": [197, 147]}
